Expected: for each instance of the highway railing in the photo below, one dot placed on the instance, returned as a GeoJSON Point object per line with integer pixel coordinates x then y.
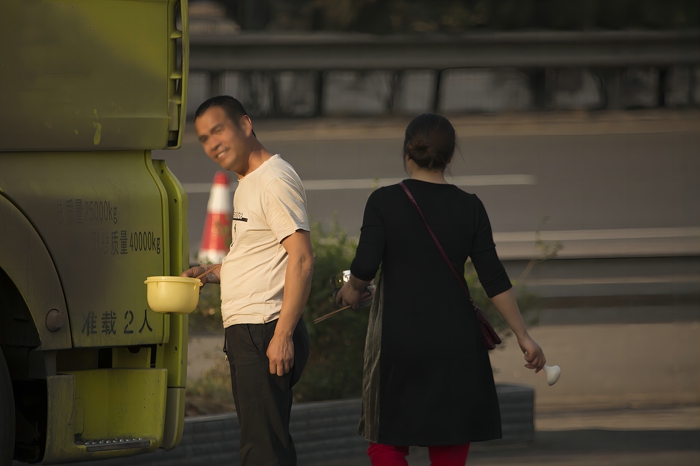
{"type": "Point", "coordinates": [606, 54]}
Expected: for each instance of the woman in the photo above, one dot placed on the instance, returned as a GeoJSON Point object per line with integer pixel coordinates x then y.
{"type": "Point", "coordinates": [427, 377]}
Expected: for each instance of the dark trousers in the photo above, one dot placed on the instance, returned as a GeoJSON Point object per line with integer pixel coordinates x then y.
{"type": "Point", "coordinates": [263, 401]}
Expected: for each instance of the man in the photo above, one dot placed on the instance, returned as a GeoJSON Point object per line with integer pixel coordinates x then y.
{"type": "Point", "coordinates": [265, 281]}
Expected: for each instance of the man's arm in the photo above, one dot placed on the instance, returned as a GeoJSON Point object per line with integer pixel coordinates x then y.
{"type": "Point", "coordinates": [297, 285]}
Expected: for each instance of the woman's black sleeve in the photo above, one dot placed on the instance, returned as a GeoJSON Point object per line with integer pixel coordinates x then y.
{"type": "Point", "coordinates": [492, 274]}
{"type": "Point", "coordinates": [371, 247]}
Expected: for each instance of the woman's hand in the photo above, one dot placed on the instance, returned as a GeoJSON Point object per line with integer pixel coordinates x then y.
{"type": "Point", "coordinates": [533, 353]}
{"type": "Point", "coordinates": [507, 306]}
{"type": "Point", "coordinates": [353, 292]}
{"type": "Point", "coordinates": [348, 295]}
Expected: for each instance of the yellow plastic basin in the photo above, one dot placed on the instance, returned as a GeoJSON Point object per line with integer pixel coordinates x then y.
{"type": "Point", "coordinates": [176, 295]}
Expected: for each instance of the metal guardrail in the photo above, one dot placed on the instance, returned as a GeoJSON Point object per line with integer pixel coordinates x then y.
{"type": "Point", "coordinates": [323, 52]}
{"type": "Point", "coordinates": [532, 52]}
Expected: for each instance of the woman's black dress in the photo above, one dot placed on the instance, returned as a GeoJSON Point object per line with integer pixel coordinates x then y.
{"type": "Point", "coordinates": [427, 377]}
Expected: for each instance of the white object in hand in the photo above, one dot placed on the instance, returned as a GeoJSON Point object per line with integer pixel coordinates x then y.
{"type": "Point", "coordinates": [553, 373]}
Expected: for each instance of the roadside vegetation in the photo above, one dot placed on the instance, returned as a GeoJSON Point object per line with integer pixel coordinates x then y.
{"type": "Point", "coordinates": [334, 370]}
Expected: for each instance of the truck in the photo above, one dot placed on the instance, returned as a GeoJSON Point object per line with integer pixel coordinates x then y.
{"type": "Point", "coordinates": [88, 89]}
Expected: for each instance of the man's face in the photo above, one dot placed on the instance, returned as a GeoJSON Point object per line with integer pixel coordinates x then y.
{"type": "Point", "coordinates": [223, 140]}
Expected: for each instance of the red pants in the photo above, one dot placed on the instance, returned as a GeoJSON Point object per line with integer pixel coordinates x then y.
{"type": "Point", "coordinates": [440, 455]}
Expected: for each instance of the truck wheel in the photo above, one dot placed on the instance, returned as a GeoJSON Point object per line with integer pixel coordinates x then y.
{"type": "Point", "coordinates": [7, 415]}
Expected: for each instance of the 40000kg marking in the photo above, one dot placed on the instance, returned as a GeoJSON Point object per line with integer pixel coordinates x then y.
{"type": "Point", "coordinates": [120, 242]}
{"type": "Point", "coordinates": [144, 241]}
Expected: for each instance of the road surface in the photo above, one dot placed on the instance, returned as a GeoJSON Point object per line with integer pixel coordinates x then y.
{"type": "Point", "coordinates": [613, 183]}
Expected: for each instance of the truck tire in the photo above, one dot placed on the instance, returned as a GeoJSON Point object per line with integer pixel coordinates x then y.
{"type": "Point", "coordinates": [7, 415]}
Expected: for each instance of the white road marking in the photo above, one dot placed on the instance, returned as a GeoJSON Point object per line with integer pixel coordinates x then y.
{"type": "Point", "coordinates": [473, 180]}
{"type": "Point", "coordinates": [599, 235]}
{"type": "Point", "coordinates": [202, 188]}
{"type": "Point", "coordinates": [373, 183]}
{"type": "Point", "coordinates": [614, 280]}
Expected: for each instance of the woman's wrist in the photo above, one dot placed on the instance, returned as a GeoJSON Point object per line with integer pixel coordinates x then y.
{"type": "Point", "coordinates": [357, 284]}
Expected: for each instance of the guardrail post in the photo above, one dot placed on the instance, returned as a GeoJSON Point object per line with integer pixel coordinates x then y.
{"type": "Point", "coordinates": [394, 90]}
{"type": "Point", "coordinates": [538, 87]}
{"type": "Point", "coordinates": [661, 88]}
{"type": "Point", "coordinates": [436, 91]}
{"type": "Point", "coordinates": [600, 86]}
{"type": "Point", "coordinates": [691, 86]}
{"type": "Point", "coordinates": [275, 104]}
{"type": "Point", "coordinates": [615, 89]}
{"type": "Point", "coordinates": [216, 83]}
{"type": "Point", "coordinates": [318, 94]}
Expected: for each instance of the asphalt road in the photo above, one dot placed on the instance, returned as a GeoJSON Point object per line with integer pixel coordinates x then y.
{"type": "Point", "coordinates": [608, 177]}
{"type": "Point", "coordinates": [585, 447]}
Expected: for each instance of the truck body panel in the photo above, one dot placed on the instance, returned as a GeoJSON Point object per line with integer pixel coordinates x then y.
{"type": "Point", "coordinates": [89, 88]}
{"type": "Point", "coordinates": [92, 74]}
{"type": "Point", "coordinates": [102, 218]}
{"type": "Point", "coordinates": [105, 404]}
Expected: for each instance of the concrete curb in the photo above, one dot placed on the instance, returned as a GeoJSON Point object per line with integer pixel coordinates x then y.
{"type": "Point", "coordinates": [322, 431]}
{"type": "Point", "coordinates": [554, 123]}
{"type": "Point", "coordinates": [632, 242]}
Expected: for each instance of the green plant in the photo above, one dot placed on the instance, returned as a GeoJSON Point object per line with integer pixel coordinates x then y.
{"type": "Point", "coordinates": [548, 250]}
{"type": "Point", "coordinates": [206, 318]}
{"type": "Point", "coordinates": [527, 302]}
{"type": "Point", "coordinates": [211, 393]}
{"type": "Point", "coordinates": [334, 369]}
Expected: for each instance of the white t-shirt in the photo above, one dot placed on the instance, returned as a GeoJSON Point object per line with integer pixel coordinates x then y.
{"type": "Point", "coordinates": [269, 205]}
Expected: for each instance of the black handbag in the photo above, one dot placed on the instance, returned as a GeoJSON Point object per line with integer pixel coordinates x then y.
{"type": "Point", "coordinates": [491, 338]}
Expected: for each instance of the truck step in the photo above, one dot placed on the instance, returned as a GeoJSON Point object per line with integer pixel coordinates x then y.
{"type": "Point", "coordinates": [115, 444]}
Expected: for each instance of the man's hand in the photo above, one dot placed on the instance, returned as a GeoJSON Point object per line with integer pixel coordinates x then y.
{"type": "Point", "coordinates": [280, 352]}
{"type": "Point", "coordinates": [297, 285]}
{"type": "Point", "coordinates": [212, 277]}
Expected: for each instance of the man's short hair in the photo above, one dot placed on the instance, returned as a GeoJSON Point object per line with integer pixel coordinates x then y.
{"type": "Point", "coordinates": [232, 107]}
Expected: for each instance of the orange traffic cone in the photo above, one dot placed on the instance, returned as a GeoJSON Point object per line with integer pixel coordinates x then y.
{"type": "Point", "coordinates": [216, 237]}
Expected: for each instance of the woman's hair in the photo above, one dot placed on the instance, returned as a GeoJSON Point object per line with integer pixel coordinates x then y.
{"type": "Point", "coordinates": [430, 141]}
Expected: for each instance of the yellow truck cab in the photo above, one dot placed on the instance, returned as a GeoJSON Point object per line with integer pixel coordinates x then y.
{"type": "Point", "coordinates": [88, 88]}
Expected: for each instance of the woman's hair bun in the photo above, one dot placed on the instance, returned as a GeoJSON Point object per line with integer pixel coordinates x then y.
{"type": "Point", "coordinates": [430, 141]}
{"type": "Point", "coordinates": [418, 149]}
